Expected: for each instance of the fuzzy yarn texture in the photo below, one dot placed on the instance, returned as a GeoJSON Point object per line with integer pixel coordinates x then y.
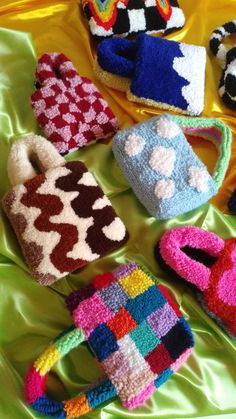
{"type": "Point", "coordinates": [68, 107]}
{"type": "Point", "coordinates": [61, 217]}
{"type": "Point", "coordinates": [130, 17]}
{"type": "Point", "coordinates": [161, 167]}
{"type": "Point", "coordinates": [134, 328]}
{"type": "Point", "coordinates": [227, 59]}
{"type": "Point", "coordinates": [215, 279]}
{"type": "Point", "coordinates": [176, 71]}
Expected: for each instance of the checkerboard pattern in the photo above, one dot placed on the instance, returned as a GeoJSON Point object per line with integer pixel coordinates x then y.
{"type": "Point", "coordinates": [112, 17]}
{"type": "Point", "coordinates": [69, 108]}
{"type": "Point", "coordinates": [135, 329]}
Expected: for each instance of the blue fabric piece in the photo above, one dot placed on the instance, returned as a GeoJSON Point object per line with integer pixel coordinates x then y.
{"type": "Point", "coordinates": [117, 56]}
{"type": "Point", "coordinates": [178, 339]}
{"type": "Point", "coordinates": [102, 342]}
{"type": "Point", "coordinates": [154, 77]}
{"type": "Point", "coordinates": [100, 393]}
{"type": "Point", "coordinates": [143, 178]}
{"type": "Point", "coordinates": [49, 407]}
{"type": "Point", "coordinates": [163, 377]}
{"type": "Point", "coordinates": [146, 303]}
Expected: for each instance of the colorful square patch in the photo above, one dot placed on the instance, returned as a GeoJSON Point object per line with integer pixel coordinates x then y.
{"type": "Point", "coordinates": [122, 323]}
{"type": "Point", "coordinates": [90, 313]}
{"type": "Point", "coordinates": [159, 359]}
{"type": "Point", "coordinates": [103, 342]}
{"type": "Point", "coordinates": [162, 320]}
{"type": "Point", "coordinates": [144, 304]}
{"type": "Point", "coordinates": [114, 297]}
{"type": "Point", "coordinates": [136, 283]}
{"type": "Point", "coordinates": [144, 338]}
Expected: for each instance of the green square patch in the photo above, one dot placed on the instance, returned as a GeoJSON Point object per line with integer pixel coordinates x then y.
{"type": "Point", "coordinates": [144, 338]}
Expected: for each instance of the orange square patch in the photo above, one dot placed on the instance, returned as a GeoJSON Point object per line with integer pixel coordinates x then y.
{"type": "Point", "coordinates": [122, 323]}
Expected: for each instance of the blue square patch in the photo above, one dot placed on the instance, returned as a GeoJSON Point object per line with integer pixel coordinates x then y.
{"type": "Point", "coordinates": [144, 304]}
{"type": "Point", "coordinates": [102, 342]}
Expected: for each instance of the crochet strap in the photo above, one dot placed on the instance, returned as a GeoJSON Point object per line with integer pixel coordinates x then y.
{"type": "Point", "coordinates": [31, 148]}
{"type": "Point", "coordinates": [55, 66]}
{"type": "Point", "coordinates": [175, 239]}
{"type": "Point", "coordinates": [35, 382]}
{"type": "Point", "coordinates": [214, 130]}
{"type": "Point", "coordinates": [218, 35]}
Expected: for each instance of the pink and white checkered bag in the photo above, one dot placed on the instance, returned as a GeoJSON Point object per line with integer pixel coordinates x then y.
{"type": "Point", "coordinates": [68, 107]}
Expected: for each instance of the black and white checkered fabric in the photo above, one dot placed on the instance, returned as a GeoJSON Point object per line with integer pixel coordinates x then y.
{"type": "Point", "coordinates": [138, 16]}
{"type": "Point", "coordinates": [227, 86]}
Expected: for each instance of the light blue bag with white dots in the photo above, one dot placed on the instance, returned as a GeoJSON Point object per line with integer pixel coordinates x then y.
{"type": "Point", "coordinates": [162, 168]}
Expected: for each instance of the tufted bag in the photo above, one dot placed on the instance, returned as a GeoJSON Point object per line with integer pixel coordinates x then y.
{"type": "Point", "coordinates": [68, 107]}
{"type": "Point", "coordinates": [136, 332]}
{"type": "Point", "coordinates": [155, 72]}
{"type": "Point", "coordinates": [129, 17]}
{"type": "Point", "coordinates": [162, 168]}
{"type": "Point", "coordinates": [61, 216]}
{"type": "Point", "coordinates": [207, 262]}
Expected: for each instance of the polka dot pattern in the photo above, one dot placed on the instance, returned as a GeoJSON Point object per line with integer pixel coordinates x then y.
{"type": "Point", "coordinates": [162, 160]}
{"type": "Point", "coordinates": [165, 189]}
{"type": "Point", "coordinates": [134, 145]}
{"type": "Point", "coordinates": [198, 178]}
{"type": "Point", "coordinates": [164, 172]}
{"type": "Point", "coordinates": [166, 128]}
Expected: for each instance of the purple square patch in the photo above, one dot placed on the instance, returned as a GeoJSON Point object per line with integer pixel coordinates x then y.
{"type": "Point", "coordinates": [162, 320]}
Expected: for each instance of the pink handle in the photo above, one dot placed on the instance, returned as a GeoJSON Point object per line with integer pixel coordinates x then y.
{"type": "Point", "coordinates": [55, 66]}
{"type": "Point", "coordinates": [176, 238]}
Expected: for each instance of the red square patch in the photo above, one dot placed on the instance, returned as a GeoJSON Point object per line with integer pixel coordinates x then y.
{"type": "Point", "coordinates": [103, 280]}
{"type": "Point", "coordinates": [159, 359]}
{"type": "Point", "coordinates": [122, 323]}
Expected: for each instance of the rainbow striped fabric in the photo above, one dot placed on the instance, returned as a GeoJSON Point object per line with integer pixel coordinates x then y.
{"type": "Point", "coordinates": [134, 328]}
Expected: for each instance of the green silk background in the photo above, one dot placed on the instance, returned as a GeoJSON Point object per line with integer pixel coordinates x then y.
{"type": "Point", "coordinates": [31, 315]}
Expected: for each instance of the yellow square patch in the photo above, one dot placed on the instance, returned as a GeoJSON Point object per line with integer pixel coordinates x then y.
{"type": "Point", "coordinates": [136, 283]}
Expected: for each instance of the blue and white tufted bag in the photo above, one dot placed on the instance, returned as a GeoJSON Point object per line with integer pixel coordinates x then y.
{"type": "Point", "coordinates": [162, 168]}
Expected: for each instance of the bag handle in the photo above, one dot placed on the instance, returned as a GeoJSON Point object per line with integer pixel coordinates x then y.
{"type": "Point", "coordinates": [53, 66]}
{"type": "Point", "coordinates": [191, 270]}
{"type": "Point", "coordinates": [35, 381]}
{"type": "Point", "coordinates": [214, 130]}
{"type": "Point", "coordinates": [27, 148]}
{"type": "Point", "coordinates": [217, 37]}
{"type": "Point", "coordinates": [117, 56]}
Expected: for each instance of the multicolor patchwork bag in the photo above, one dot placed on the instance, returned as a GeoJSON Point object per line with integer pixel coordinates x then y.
{"type": "Point", "coordinates": [68, 107]}
{"type": "Point", "coordinates": [135, 330]}
{"type": "Point", "coordinates": [207, 262]}
{"type": "Point", "coordinates": [162, 168]}
{"type": "Point", "coordinates": [129, 17]}
{"type": "Point", "coordinates": [61, 217]}
{"type": "Point", "coordinates": [227, 59]}
{"type": "Point", "coordinates": [155, 72]}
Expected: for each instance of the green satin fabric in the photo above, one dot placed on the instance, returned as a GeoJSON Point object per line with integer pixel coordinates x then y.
{"type": "Point", "coordinates": [31, 315]}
